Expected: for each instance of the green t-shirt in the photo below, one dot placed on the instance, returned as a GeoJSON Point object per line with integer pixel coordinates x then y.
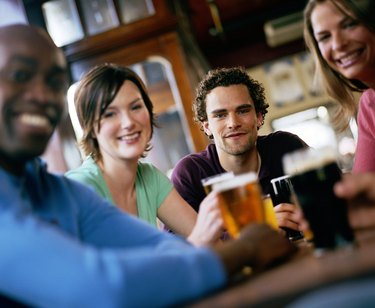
{"type": "Point", "coordinates": [152, 186]}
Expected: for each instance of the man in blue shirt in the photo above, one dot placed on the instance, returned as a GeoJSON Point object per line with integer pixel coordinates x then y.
{"type": "Point", "coordinates": [61, 244]}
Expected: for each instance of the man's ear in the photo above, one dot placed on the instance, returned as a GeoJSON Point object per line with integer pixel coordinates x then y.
{"type": "Point", "coordinates": [206, 129]}
{"type": "Point", "coordinates": [260, 120]}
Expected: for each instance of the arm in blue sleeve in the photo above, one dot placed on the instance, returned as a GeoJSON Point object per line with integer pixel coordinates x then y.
{"type": "Point", "coordinates": [104, 225]}
{"type": "Point", "coordinates": [42, 266]}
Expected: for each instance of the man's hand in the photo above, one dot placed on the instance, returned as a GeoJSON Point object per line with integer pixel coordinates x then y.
{"type": "Point", "coordinates": [286, 216]}
{"type": "Point", "coordinates": [257, 246]}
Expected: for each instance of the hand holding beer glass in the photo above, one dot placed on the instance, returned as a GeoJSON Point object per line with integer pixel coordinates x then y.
{"type": "Point", "coordinates": [313, 175]}
{"type": "Point", "coordinates": [241, 202]}
{"type": "Point", "coordinates": [282, 192]}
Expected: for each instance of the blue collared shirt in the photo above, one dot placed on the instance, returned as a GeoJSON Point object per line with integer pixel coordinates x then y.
{"type": "Point", "coordinates": [61, 245]}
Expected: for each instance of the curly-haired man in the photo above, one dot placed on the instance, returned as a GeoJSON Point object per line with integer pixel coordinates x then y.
{"type": "Point", "coordinates": [230, 107]}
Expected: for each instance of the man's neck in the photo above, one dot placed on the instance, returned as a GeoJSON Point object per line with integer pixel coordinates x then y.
{"type": "Point", "coordinates": [249, 161]}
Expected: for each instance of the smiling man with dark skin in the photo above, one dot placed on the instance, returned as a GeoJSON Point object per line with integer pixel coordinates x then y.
{"type": "Point", "coordinates": [64, 246]}
{"type": "Point", "coordinates": [25, 78]}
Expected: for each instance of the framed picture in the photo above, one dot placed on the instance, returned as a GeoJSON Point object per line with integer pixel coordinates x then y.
{"type": "Point", "coordinates": [285, 86]}
{"type": "Point", "coordinates": [133, 10]}
{"type": "Point", "coordinates": [308, 69]}
{"type": "Point", "coordinates": [99, 15]}
{"type": "Point", "coordinates": [12, 12]}
{"type": "Point", "coordinates": [62, 21]}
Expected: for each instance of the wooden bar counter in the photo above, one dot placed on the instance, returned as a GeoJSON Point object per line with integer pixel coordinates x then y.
{"type": "Point", "coordinates": [302, 273]}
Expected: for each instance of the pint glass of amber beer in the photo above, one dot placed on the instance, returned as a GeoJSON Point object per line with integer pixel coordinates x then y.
{"type": "Point", "coordinates": [208, 182]}
{"type": "Point", "coordinates": [241, 202]}
{"type": "Point", "coordinates": [269, 212]}
{"type": "Point", "coordinates": [313, 175]}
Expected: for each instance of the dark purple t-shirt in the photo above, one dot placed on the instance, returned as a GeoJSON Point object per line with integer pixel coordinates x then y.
{"type": "Point", "coordinates": [189, 171]}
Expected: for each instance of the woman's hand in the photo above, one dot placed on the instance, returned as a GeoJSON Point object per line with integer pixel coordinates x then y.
{"type": "Point", "coordinates": [209, 226]}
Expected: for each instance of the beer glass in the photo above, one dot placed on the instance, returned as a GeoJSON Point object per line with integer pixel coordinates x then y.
{"type": "Point", "coordinates": [269, 212]}
{"type": "Point", "coordinates": [241, 202]}
{"type": "Point", "coordinates": [208, 182]}
{"type": "Point", "coordinates": [313, 175]}
{"type": "Point", "coordinates": [282, 192]}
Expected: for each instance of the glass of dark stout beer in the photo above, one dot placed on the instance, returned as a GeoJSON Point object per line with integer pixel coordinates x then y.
{"type": "Point", "coordinates": [313, 174]}
{"type": "Point", "coordinates": [282, 192]}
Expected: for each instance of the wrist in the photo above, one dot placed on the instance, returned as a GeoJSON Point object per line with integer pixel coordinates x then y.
{"type": "Point", "coordinates": [235, 255]}
{"type": "Point", "coordinates": [195, 239]}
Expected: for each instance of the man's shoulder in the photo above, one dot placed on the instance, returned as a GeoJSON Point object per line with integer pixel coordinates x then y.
{"type": "Point", "coordinates": [280, 141]}
{"type": "Point", "coordinates": [56, 183]}
{"type": "Point", "coordinates": [279, 137]}
{"type": "Point", "coordinates": [197, 165]}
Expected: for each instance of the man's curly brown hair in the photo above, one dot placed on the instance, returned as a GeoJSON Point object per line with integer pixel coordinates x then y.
{"type": "Point", "coordinates": [225, 77]}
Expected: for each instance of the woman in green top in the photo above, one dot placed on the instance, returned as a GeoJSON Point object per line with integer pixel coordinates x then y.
{"type": "Point", "coordinates": [116, 116]}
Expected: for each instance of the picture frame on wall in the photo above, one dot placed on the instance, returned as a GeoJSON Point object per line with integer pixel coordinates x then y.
{"type": "Point", "coordinates": [12, 12]}
{"type": "Point", "coordinates": [62, 21]}
{"type": "Point", "coordinates": [308, 71]}
{"type": "Point", "coordinates": [133, 10]}
{"type": "Point", "coordinates": [284, 82]}
{"type": "Point", "coordinates": [99, 15]}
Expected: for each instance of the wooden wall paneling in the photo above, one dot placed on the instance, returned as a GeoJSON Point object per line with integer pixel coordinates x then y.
{"type": "Point", "coordinates": [124, 35]}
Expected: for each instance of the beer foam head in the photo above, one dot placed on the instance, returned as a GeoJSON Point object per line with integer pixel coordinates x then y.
{"type": "Point", "coordinates": [217, 178]}
{"type": "Point", "coordinates": [308, 159]}
{"type": "Point", "coordinates": [236, 181]}
{"type": "Point", "coordinates": [279, 179]}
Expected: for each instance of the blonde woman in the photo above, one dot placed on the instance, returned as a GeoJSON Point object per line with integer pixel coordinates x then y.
{"type": "Point", "coordinates": [341, 37]}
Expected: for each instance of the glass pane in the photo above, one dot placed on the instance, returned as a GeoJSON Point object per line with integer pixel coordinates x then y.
{"type": "Point", "coordinates": [315, 128]}
{"type": "Point", "coordinates": [132, 10]}
{"type": "Point", "coordinates": [307, 125]}
{"type": "Point", "coordinates": [12, 12]}
{"type": "Point", "coordinates": [99, 15]}
{"type": "Point", "coordinates": [62, 21]}
{"type": "Point", "coordinates": [171, 140]}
